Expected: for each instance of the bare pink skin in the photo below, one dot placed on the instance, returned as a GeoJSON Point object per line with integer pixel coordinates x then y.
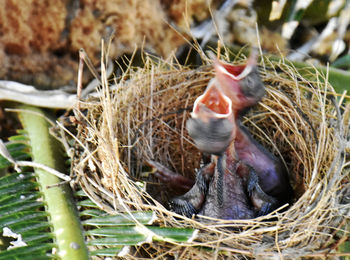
{"type": "Point", "coordinates": [244, 93]}
{"type": "Point", "coordinates": [241, 83]}
{"type": "Point", "coordinates": [223, 189]}
{"type": "Point", "coordinates": [176, 182]}
{"type": "Point", "coordinates": [273, 178]}
{"type": "Point", "coordinates": [271, 186]}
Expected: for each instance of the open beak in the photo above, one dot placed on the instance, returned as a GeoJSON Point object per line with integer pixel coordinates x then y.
{"type": "Point", "coordinates": [232, 81]}
{"type": "Point", "coordinates": [212, 123]}
{"type": "Point", "coordinates": [212, 104]}
{"type": "Point", "coordinates": [236, 72]}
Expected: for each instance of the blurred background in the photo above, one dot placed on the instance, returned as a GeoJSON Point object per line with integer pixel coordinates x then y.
{"type": "Point", "coordinates": [40, 40]}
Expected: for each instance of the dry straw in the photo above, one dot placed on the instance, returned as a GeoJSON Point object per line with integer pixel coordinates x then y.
{"type": "Point", "coordinates": [142, 116]}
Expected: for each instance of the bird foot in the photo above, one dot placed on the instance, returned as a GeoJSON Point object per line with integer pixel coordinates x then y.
{"type": "Point", "coordinates": [262, 202]}
{"type": "Point", "coordinates": [182, 207]}
{"type": "Point", "coordinates": [265, 209]}
{"type": "Point", "coordinates": [174, 180]}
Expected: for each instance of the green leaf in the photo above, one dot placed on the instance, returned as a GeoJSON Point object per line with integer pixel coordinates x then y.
{"type": "Point", "coordinates": [23, 196]}
{"type": "Point", "coordinates": [17, 187]}
{"type": "Point", "coordinates": [16, 178]}
{"type": "Point", "coordinates": [23, 209]}
{"type": "Point", "coordinates": [20, 206]}
{"type": "Point", "coordinates": [342, 62]}
{"type": "Point", "coordinates": [28, 252]}
{"type": "Point", "coordinates": [21, 137]}
{"type": "Point", "coordinates": [33, 238]}
{"type": "Point", "coordinates": [339, 79]}
{"type": "Point", "coordinates": [80, 193]}
{"type": "Point", "coordinates": [22, 217]}
{"type": "Point", "coordinates": [112, 251]}
{"type": "Point", "coordinates": [87, 203]}
{"type": "Point", "coordinates": [146, 217]}
{"type": "Point", "coordinates": [18, 151]}
{"type": "Point", "coordinates": [175, 234]}
{"type": "Point", "coordinates": [113, 231]}
{"type": "Point", "coordinates": [59, 199]}
{"type": "Point", "coordinates": [345, 246]}
{"type": "Point", "coordinates": [26, 205]}
{"type": "Point", "coordinates": [121, 230]}
{"type": "Point", "coordinates": [32, 226]}
{"type": "Point", "coordinates": [92, 213]}
{"type": "Point", "coordinates": [119, 240]}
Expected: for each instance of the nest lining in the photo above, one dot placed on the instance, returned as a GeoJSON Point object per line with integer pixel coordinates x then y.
{"type": "Point", "coordinates": [143, 117]}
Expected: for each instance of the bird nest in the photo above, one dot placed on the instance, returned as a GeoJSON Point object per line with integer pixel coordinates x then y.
{"type": "Point", "coordinates": [142, 116]}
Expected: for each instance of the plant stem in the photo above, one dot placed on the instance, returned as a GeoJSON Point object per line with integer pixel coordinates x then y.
{"type": "Point", "coordinates": [59, 199]}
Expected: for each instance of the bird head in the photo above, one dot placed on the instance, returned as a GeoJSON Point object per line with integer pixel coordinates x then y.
{"type": "Point", "coordinates": [211, 125]}
{"type": "Point", "coordinates": [241, 83]}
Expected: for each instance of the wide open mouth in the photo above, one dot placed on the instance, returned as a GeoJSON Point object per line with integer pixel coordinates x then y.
{"type": "Point", "coordinates": [236, 72]}
{"type": "Point", "coordinates": [213, 102]}
{"type": "Point", "coordinates": [211, 126]}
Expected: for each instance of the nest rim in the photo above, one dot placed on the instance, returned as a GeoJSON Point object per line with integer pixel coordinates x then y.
{"type": "Point", "coordinates": [288, 225]}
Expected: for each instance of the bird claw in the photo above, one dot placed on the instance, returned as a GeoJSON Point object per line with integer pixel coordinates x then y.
{"type": "Point", "coordinates": [182, 207]}
{"type": "Point", "coordinates": [191, 202]}
{"type": "Point", "coordinates": [253, 182]}
{"type": "Point", "coordinates": [265, 209]}
{"type": "Point", "coordinates": [264, 203]}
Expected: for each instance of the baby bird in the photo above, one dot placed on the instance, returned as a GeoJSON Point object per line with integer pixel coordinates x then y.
{"type": "Point", "coordinates": [242, 84]}
{"type": "Point", "coordinates": [243, 180]}
{"type": "Point", "coordinates": [226, 188]}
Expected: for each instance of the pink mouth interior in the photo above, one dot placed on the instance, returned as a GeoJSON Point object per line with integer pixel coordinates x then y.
{"type": "Point", "coordinates": [215, 101]}
{"type": "Point", "coordinates": [233, 69]}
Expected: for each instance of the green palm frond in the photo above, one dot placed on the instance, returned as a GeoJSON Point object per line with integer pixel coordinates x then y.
{"type": "Point", "coordinates": [118, 232]}
{"type": "Point", "coordinates": [22, 210]}
{"type": "Point", "coordinates": [39, 219]}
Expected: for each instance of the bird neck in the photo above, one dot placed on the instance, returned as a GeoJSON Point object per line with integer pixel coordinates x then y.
{"type": "Point", "coordinates": [251, 152]}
